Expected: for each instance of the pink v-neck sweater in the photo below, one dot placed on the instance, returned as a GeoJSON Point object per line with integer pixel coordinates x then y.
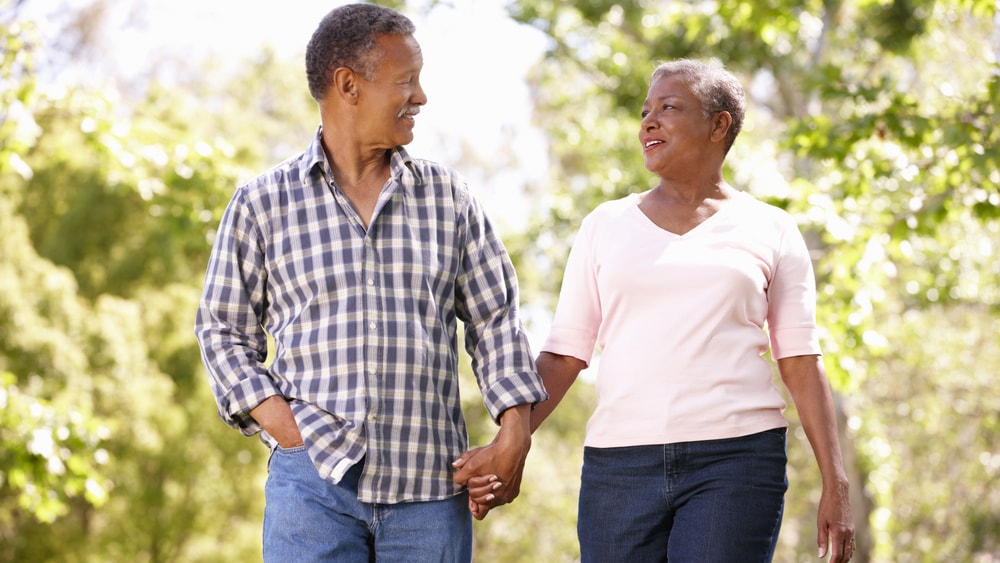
{"type": "Point", "coordinates": [681, 323]}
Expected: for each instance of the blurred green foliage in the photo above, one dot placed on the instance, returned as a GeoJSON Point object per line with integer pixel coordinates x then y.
{"type": "Point", "coordinates": [110, 449]}
{"type": "Point", "coordinates": [872, 121]}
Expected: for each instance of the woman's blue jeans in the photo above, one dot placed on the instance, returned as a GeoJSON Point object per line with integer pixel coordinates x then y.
{"type": "Point", "coordinates": [309, 519]}
{"type": "Point", "coordinates": [713, 501]}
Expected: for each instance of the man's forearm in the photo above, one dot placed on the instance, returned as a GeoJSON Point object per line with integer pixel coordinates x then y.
{"type": "Point", "coordinates": [276, 417]}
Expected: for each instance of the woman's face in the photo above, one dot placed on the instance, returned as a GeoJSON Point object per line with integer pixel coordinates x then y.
{"type": "Point", "coordinates": [674, 133]}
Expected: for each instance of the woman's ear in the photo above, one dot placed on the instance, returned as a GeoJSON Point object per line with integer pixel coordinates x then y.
{"type": "Point", "coordinates": [721, 122]}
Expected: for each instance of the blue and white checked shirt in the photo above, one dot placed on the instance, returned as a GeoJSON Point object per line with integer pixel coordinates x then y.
{"type": "Point", "coordinates": [364, 321]}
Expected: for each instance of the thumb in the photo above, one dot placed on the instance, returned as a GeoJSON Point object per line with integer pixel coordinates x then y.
{"type": "Point", "coordinates": [460, 476]}
{"type": "Point", "coordinates": [822, 541]}
{"type": "Point", "coordinates": [465, 469]}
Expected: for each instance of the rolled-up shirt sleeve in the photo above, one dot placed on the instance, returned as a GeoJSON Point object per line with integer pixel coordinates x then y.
{"type": "Point", "coordinates": [228, 325]}
{"type": "Point", "coordinates": [487, 302]}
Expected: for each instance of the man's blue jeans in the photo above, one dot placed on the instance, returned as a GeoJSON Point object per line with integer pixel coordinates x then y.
{"type": "Point", "coordinates": [714, 501]}
{"type": "Point", "coordinates": [307, 518]}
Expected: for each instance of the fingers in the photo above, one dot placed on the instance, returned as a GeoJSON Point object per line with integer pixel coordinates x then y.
{"type": "Point", "coordinates": [482, 489]}
{"type": "Point", "coordinates": [479, 511]}
{"type": "Point", "coordinates": [508, 492]}
{"type": "Point", "coordinates": [481, 494]}
{"type": "Point", "coordinates": [843, 550]}
{"type": "Point", "coordinates": [466, 466]}
{"type": "Point", "coordinates": [492, 475]}
{"type": "Point", "coordinates": [842, 545]}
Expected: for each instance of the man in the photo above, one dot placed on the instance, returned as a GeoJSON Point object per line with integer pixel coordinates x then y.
{"type": "Point", "coordinates": [359, 260]}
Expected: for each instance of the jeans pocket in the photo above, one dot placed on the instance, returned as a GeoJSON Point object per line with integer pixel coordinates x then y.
{"type": "Point", "coordinates": [287, 453]}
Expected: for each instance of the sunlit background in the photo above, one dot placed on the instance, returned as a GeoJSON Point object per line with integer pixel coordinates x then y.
{"type": "Point", "coordinates": [476, 62]}
{"type": "Point", "coordinates": [125, 127]}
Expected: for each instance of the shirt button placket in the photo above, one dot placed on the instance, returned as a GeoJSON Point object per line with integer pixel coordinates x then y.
{"type": "Point", "coordinates": [372, 356]}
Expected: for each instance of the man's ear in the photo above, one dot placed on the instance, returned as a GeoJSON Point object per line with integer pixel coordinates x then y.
{"type": "Point", "coordinates": [345, 85]}
{"type": "Point", "coordinates": [721, 122]}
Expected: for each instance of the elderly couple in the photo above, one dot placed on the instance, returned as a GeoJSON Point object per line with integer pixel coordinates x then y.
{"type": "Point", "coordinates": [359, 260]}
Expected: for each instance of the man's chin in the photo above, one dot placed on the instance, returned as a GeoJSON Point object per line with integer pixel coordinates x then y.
{"type": "Point", "coordinates": [404, 140]}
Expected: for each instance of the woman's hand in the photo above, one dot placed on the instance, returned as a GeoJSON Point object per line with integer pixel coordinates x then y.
{"type": "Point", "coordinates": [482, 492]}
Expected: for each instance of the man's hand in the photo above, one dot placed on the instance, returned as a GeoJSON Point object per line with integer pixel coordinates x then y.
{"type": "Point", "coordinates": [501, 462]}
{"type": "Point", "coordinates": [275, 416]}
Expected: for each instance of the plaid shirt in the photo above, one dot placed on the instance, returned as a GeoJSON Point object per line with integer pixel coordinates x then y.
{"type": "Point", "coordinates": [364, 321]}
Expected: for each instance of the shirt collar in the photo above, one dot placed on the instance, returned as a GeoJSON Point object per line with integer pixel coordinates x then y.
{"type": "Point", "coordinates": [400, 162]}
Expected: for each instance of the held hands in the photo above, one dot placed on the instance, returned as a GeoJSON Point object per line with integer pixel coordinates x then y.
{"type": "Point", "coordinates": [482, 491]}
{"type": "Point", "coordinates": [493, 473]}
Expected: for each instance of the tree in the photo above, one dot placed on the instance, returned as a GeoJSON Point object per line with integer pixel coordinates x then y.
{"type": "Point", "coordinates": [107, 217]}
{"type": "Point", "coordinates": [50, 449]}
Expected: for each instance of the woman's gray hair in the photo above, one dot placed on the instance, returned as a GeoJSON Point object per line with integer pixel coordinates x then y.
{"type": "Point", "coordinates": [715, 87]}
{"type": "Point", "coordinates": [346, 38]}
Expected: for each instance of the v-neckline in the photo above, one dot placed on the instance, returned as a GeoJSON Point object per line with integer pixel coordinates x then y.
{"type": "Point", "coordinates": [690, 232]}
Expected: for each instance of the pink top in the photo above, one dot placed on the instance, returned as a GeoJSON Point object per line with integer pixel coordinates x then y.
{"type": "Point", "coordinates": [680, 320]}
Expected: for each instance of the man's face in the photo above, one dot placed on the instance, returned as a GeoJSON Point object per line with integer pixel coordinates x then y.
{"type": "Point", "coordinates": [388, 101]}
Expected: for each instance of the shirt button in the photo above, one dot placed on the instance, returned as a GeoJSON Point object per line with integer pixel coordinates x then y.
{"type": "Point", "coordinates": [371, 325]}
{"type": "Point", "coordinates": [372, 417]}
{"type": "Point", "coordinates": [371, 281]}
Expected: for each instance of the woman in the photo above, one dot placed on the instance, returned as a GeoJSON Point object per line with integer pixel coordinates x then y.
{"type": "Point", "coordinates": [684, 457]}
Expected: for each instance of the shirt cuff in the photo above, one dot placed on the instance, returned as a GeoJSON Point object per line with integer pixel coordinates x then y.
{"type": "Point", "coordinates": [243, 398]}
{"type": "Point", "coordinates": [795, 341]}
{"type": "Point", "coordinates": [518, 389]}
{"type": "Point", "coordinates": [570, 342]}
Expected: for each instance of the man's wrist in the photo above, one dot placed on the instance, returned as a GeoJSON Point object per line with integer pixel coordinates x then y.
{"type": "Point", "coordinates": [515, 424]}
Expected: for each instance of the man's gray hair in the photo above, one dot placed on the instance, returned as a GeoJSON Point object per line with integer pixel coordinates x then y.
{"type": "Point", "coordinates": [346, 38]}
